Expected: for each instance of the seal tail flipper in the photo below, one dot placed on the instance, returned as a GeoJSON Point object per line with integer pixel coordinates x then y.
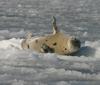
{"type": "Point", "coordinates": [55, 29]}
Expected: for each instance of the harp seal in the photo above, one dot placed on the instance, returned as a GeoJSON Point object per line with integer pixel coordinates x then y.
{"type": "Point", "coordinates": [57, 42]}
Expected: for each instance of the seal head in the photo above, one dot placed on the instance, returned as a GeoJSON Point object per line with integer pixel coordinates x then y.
{"type": "Point", "coordinates": [73, 45]}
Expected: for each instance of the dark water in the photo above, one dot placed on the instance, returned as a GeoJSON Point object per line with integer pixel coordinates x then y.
{"type": "Point", "coordinates": [76, 17]}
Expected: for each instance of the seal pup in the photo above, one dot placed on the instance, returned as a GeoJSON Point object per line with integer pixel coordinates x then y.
{"type": "Point", "coordinates": [57, 42]}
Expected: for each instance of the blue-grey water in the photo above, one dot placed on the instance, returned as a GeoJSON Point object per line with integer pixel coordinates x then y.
{"type": "Point", "coordinates": [80, 18]}
{"type": "Point", "coordinates": [73, 16]}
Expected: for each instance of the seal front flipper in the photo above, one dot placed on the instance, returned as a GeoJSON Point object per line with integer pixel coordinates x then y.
{"type": "Point", "coordinates": [55, 28]}
{"type": "Point", "coordinates": [46, 49]}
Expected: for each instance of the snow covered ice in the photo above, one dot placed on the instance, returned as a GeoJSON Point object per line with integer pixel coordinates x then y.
{"type": "Point", "coordinates": [22, 67]}
{"type": "Point", "coordinates": [78, 18]}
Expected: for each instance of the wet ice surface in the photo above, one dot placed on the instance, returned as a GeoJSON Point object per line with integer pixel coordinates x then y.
{"type": "Point", "coordinates": [78, 18]}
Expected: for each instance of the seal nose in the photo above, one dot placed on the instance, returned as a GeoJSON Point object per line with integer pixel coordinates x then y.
{"type": "Point", "coordinates": [76, 42]}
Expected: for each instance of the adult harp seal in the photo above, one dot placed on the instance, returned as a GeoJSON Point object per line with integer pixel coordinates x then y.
{"type": "Point", "coordinates": [57, 42]}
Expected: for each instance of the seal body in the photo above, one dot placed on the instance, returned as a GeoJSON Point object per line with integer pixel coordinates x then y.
{"type": "Point", "coordinates": [57, 42]}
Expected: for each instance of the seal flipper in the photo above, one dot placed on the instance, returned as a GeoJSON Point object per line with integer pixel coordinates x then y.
{"type": "Point", "coordinates": [55, 29]}
{"type": "Point", "coordinates": [46, 49]}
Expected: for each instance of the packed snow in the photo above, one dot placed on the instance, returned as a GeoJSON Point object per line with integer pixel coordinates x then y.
{"type": "Point", "coordinates": [26, 67]}
{"type": "Point", "coordinates": [79, 18]}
